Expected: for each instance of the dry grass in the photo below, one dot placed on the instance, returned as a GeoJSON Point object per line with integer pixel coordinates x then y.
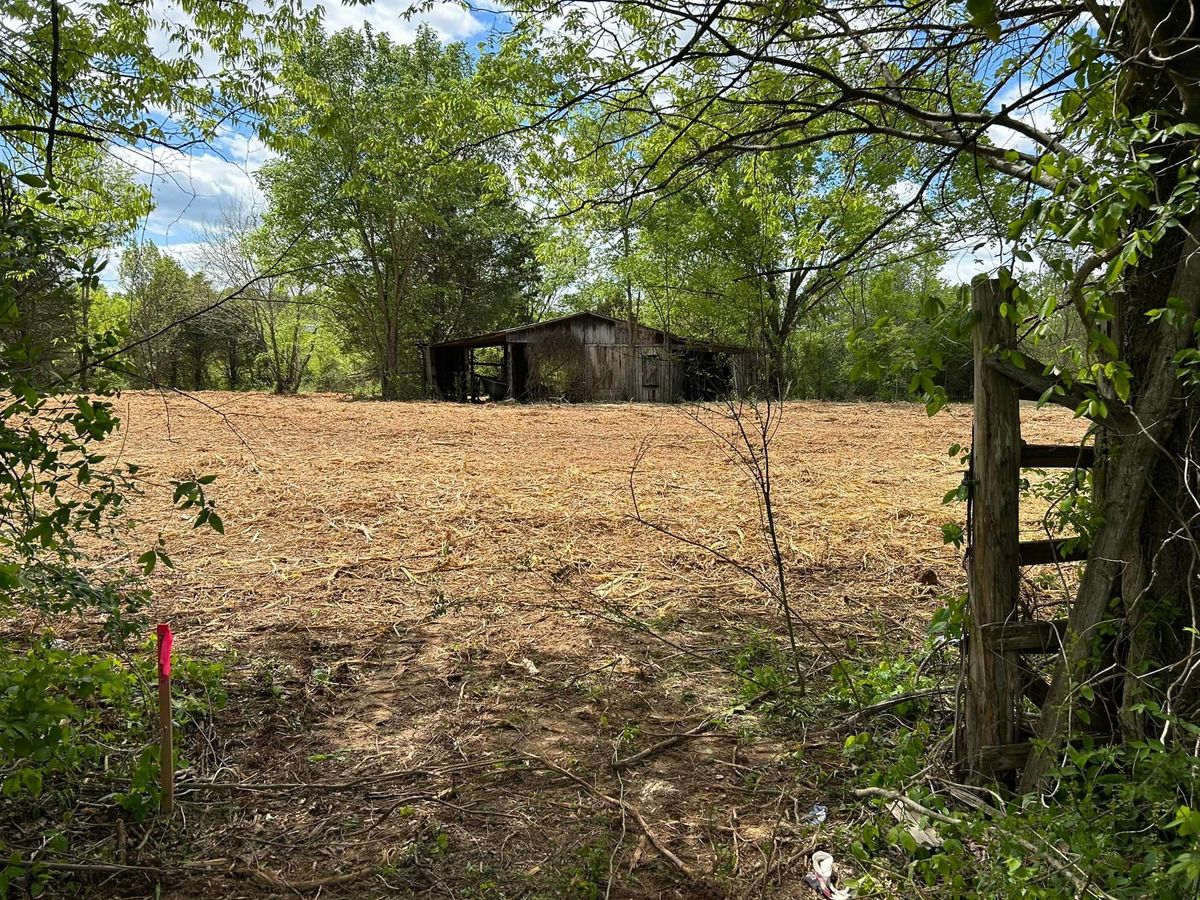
{"type": "Point", "coordinates": [434, 588]}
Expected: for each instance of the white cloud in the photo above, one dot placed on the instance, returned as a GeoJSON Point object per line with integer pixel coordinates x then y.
{"type": "Point", "coordinates": [190, 188]}
{"type": "Point", "coordinates": [1037, 113]}
{"type": "Point", "coordinates": [450, 21]}
{"type": "Point", "coordinates": [967, 261]}
{"type": "Point", "coordinates": [905, 190]}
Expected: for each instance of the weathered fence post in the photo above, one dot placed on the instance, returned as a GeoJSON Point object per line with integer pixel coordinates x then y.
{"type": "Point", "coordinates": [990, 706]}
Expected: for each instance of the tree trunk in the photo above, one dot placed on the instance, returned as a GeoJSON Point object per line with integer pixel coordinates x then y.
{"type": "Point", "coordinates": [777, 365]}
{"type": "Point", "coordinates": [198, 371]}
{"type": "Point", "coordinates": [389, 379]}
{"type": "Point", "coordinates": [85, 337]}
{"type": "Point", "coordinates": [1158, 583]}
{"type": "Point", "coordinates": [233, 367]}
{"type": "Point", "coordinates": [1143, 546]}
{"type": "Point", "coordinates": [1157, 590]}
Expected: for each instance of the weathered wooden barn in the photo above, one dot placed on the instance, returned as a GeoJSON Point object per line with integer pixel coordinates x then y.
{"type": "Point", "coordinates": [584, 357]}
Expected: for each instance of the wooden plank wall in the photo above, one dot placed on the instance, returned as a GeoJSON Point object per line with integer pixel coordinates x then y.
{"type": "Point", "coordinates": [613, 370]}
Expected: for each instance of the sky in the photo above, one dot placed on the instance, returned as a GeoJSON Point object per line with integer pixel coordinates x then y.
{"type": "Point", "coordinates": [191, 188]}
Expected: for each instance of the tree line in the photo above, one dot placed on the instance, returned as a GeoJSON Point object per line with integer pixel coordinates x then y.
{"type": "Point", "coordinates": [385, 223]}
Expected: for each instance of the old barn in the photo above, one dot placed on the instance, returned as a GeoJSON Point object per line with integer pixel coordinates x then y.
{"type": "Point", "coordinates": [584, 357]}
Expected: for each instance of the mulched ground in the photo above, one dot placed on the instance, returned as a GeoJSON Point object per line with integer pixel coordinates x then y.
{"type": "Point", "coordinates": [443, 626]}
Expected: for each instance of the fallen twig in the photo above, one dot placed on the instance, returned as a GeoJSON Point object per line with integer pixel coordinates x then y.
{"type": "Point", "coordinates": [867, 711]}
{"type": "Point", "coordinates": [269, 879]}
{"type": "Point", "coordinates": [907, 801]}
{"type": "Point", "coordinates": [219, 867]}
{"type": "Point", "coordinates": [333, 786]}
{"type": "Point", "coordinates": [693, 732]}
{"type": "Point", "coordinates": [666, 744]}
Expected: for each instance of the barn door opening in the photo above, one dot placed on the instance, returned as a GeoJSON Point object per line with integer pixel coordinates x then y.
{"type": "Point", "coordinates": [707, 375]}
{"type": "Point", "coordinates": [518, 377]}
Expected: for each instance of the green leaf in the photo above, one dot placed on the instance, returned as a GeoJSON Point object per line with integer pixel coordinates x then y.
{"type": "Point", "coordinates": [148, 560]}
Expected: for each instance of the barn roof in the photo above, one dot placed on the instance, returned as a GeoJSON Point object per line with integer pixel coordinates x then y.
{"type": "Point", "coordinates": [496, 338]}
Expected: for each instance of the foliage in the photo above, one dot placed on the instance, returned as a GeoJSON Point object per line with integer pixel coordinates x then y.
{"type": "Point", "coordinates": [764, 250]}
{"type": "Point", "coordinates": [274, 310]}
{"type": "Point", "coordinates": [1122, 824]}
{"type": "Point", "coordinates": [1067, 498]}
{"type": "Point", "coordinates": [175, 328]}
{"type": "Point", "coordinates": [55, 485]}
{"type": "Point", "coordinates": [763, 668]}
{"type": "Point", "coordinates": [82, 84]}
{"type": "Point", "coordinates": [110, 72]}
{"type": "Point", "coordinates": [65, 716]}
{"type": "Point", "coordinates": [413, 242]}
{"type": "Point", "coordinates": [885, 681]}
{"type": "Point", "coordinates": [68, 718]}
{"type": "Point", "coordinates": [1096, 181]}
{"type": "Point", "coordinates": [1124, 821]}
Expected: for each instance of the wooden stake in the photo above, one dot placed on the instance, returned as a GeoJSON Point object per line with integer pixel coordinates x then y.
{"type": "Point", "coordinates": [166, 755]}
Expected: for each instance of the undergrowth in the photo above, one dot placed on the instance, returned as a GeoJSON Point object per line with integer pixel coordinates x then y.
{"type": "Point", "coordinates": [1121, 820]}
{"type": "Point", "coordinates": [77, 727]}
{"type": "Point", "coordinates": [80, 730]}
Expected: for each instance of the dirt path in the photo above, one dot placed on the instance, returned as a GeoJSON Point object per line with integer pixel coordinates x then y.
{"type": "Point", "coordinates": [426, 609]}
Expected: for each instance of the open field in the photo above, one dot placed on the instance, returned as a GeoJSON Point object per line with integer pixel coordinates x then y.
{"type": "Point", "coordinates": [423, 606]}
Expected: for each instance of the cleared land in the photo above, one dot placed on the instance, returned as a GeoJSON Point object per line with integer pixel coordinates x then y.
{"type": "Point", "coordinates": [424, 606]}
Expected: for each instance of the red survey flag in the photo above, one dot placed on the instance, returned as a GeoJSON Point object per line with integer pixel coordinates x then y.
{"type": "Point", "coordinates": [165, 639]}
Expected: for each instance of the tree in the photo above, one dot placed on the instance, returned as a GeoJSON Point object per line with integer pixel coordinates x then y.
{"type": "Point", "coordinates": [887, 315]}
{"type": "Point", "coordinates": [88, 74]}
{"type": "Point", "coordinates": [75, 79]}
{"type": "Point", "coordinates": [159, 292]}
{"type": "Point", "coordinates": [1098, 111]}
{"type": "Point", "coordinates": [415, 241]}
{"type": "Point", "coordinates": [747, 243]}
{"type": "Point", "coordinates": [277, 309]}
{"type": "Point", "coordinates": [77, 83]}
{"type": "Point", "coordinates": [103, 204]}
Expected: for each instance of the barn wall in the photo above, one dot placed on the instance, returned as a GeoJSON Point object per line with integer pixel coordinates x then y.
{"type": "Point", "coordinates": [656, 374]}
{"type": "Point", "coordinates": [606, 366]}
{"type": "Point", "coordinates": [590, 359]}
{"type": "Point", "coordinates": [610, 370]}
{"type": "Point", "coordinates": [618, 372]}
{"type": "Point", "coordinates": [555, 361]}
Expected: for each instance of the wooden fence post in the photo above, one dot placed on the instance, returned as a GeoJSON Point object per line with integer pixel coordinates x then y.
{"type": "Point", "coordinates": [990, 706]}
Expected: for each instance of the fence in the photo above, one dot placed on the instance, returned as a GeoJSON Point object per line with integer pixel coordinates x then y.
{"type": "Point", "coordinates": [993, 738]}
